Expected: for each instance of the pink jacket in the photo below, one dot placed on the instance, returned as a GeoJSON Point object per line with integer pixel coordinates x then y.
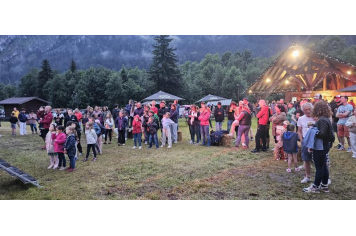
{"type": "Point", "coordinates": [60, 139]}
{"type": "Point", "coordinates": [204, 118]}
{"type": "Point", "coordinates": [49, 142]}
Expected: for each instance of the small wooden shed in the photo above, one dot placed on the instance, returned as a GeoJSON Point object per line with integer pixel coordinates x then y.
{"type": "Point", "coordinates": [29, 103]}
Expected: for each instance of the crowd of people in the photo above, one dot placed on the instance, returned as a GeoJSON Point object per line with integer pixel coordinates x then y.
{"type": "Point", "coordinates": [306, 127]}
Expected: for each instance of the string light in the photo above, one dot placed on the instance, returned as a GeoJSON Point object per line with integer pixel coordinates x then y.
{"type": "Point", "coordinates": [295, 53]}
{"type": "Point", "coordinates": [349, 72]}
{"type": "Point", "coordinates": [268, 80]}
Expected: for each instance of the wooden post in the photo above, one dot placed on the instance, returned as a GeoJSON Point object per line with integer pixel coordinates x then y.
{"type": "Point", "coordinates": [324, 83]}
{"type": "Point", "coordinates": [337, 82]}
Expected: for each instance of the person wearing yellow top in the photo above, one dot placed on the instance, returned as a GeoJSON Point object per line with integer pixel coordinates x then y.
{"type": "Point", "coordinates": [16, 112]}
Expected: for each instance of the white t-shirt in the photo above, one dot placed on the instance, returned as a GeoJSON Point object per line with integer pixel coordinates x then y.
{"type": "Point", "coordinates": [303, 123]}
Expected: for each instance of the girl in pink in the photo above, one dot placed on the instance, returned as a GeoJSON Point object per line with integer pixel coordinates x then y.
{"type": "Point", "coordinates": [59, 139]}
{"type": "Point", "coordinates": [204, 125]}
{"type": "Point", "coordinates": [53, 159]}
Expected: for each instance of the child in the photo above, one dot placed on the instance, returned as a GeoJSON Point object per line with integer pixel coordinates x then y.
{"type": "Point", "coordinates": [50, 147]}
{"type": "Point", "coordinates": [91, 140]}
{"type": "Point", "coordinates": [13, 120]}
{"type": "Point", "coordinates": [59, 139]}
{"type": "Point", "coordinates": [290, 146]}
{"type": "Point", "coordinates": [109, 124]}
{"type": "Point", "coordinates": [70, 147]}
{"type": "Point", "coordinates": [137, 131]}
{"type": "Point", "coordinates": [121, 124]}
{"type": "Point", "coordinates": [278, 148]}
{"type": "Point", "coordinates": [23, 118]}
{"type": "Point", "coordinates": [97, 129]}
{"type": "Point", "coordinates": [351, 124]}
{"type": "Point", "coordinates": [151, 128]}
{"type": "Point", "coordinates": [77, 135]}
{"type": "Point", "coordinates": [166, 132]}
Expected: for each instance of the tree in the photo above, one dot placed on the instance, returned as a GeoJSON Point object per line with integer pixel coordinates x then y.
{"type": "Point", "coordinates": [331, 45]}
{"type": "Point", "coordinates": [73, 66]}
{"type": "Point", "coordinates": [123, 74]}
{"type": "Point", "coordinates": [44, 76]}
{"type": "Point", "coordinates": [11, 90]}
{"type": "Point", "coordinates": [164, 70]}
{"type": "Point", "coordinates": [28, 84]}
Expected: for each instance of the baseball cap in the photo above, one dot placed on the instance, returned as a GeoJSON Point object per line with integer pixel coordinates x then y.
{"type": "Point", "coordinates": [245, 99]}
{"type": "Point", "coordinates": [337, 96]}
{"type": "Point", "coordinates": [318, 96]}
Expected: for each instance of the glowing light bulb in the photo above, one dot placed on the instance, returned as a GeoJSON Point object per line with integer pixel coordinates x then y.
{"type": "Point", "coordinates": [287, 82]}
{"type": "Point", "coordinates": [295, 53]}
{"type": "Point", "coordinates": [349, 72]}
{"type": "Point", "coordinates": [250, 91]}
{"type": "Point", "coordinates": [268, 80]}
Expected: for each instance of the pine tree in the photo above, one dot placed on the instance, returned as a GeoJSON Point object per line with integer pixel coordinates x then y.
{"type": "Point", "coordinates": [73, 66]}
{"type": "Point", "coordinates": [44, 76]}
{"type": "Point", "coordinates": [123, 74]}
{"type": "Point", "coordinates": [164, 71]}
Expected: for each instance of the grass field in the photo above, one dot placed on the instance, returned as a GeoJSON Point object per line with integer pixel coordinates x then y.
{"type": "Point", "coordinates": [183, 172]}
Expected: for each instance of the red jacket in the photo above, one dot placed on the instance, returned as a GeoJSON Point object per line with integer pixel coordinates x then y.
{"type": "Point", "coordinates": [60, 139]}
{"type": "Point", "coordinates": [204, 117]}
{"type": "Point", "coordinates": [263, 116]}
{"type": "Point", "coordinates": [79, 116]}
{"type": "Point", "coordinates": [47, 120]}
{"type": "Point", "coordinates": [136, 125]}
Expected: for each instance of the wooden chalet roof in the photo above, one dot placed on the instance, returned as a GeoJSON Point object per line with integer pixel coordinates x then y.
{"type": "Point", "coordinates": [20, 100]}
{"type": "Point", "coordinates": [299, 67]}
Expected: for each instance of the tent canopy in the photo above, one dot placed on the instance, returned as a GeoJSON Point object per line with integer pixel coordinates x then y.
{"type": "Point", "coordinates": [162, 96]}
{"type": "Point", "coordinates": [226, 102]}
{"type": "Point", "coordinates": [349, 89]}
{"type": "Point", "coordinates": [210, 98]}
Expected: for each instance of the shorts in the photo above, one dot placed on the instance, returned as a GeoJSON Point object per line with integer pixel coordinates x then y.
{"type": "Point", "coordinates": [306, 156]}
{"type": "Point", "coordinates": [343, 131]}
{"type": "Point", "coordinates": [13, 126]}
{"type": "Point", "coordinates": [334, 125]}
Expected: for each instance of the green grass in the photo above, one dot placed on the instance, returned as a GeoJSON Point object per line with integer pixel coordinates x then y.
{"type": "Point", "coordinates": [183, 172]}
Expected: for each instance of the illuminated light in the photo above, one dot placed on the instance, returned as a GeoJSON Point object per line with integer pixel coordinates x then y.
{"type": "Point", "coordinates": [287, 82]}
{"type": "Point", "coordinates": [250, 91]}
{"type": "Point", "coordinates": [349, 72]}
{"type": "Point", "coordinates": [295, 53]}
{"type": "Point", "coordinates": [268, 80]}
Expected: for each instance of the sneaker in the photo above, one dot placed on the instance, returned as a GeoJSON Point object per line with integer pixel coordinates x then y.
{"type": "Point", "coordinates": [255, 151]}
{"type": "Point", "coordinates": [243, 144]}
{"type": "Point", "coordinates": [324, 188]}
{"type": "Point", "coordinates": [55, 167]}
{"type": "Point", "coordinates": [272, 149]}
{"type": "Point", "coordinates": [288, 170]}
{"type": "Point", "coordinates": [196, 144]}
{"type": "Point", "coordinates": [146, 142]}
{"type": "Point", "coordinates": [329, 181]}
{"type": "Point", "coordinates": [341, 148]}
{"type": "Point", "coordinates": [122, 145]}
{"type": "Point", "coordinates": [311, 189]}
{"type": "Point", "coordinates": [175, 142]}
{"type": "Point", "coordinates": [50, 167]}
{"type": "Point", "coordinates": [305, 180]}
{"type": "Point", "coordinates": [353, 156]}
{"type": "Point", "coordinates": [62, 168]}
{"type": "Point", "coordinates": [139, 147]}
{"type": "Point", "coordinates": [338, 146]}
{"type": "Point", "coordinates": [149, 147]}
{"type": "Point", "coordinates": [80, 154]}
{"type": "Point", "coordinates": [162, 146]}
{"type": "Point", "coordinates": [134, 147]}
{"type": "Point", "coordinates": [296, 169]}
{"type": "Point", "coordinates": [251, 138]}
{"type": "Point", "coordinates": [169, 147]}
{"type": "Point", "coordinates": [104, 143]}
{"type": "Point", "coordinates": [348, 150]}
{"type": "Point", "coordinates": [85, 159]}
{"type": "Point", "coordinates": [94, 159]}
{"type": "Point", "coordinates": [190, 142]}
{"type": "Point", "coordinates": [70, 170]}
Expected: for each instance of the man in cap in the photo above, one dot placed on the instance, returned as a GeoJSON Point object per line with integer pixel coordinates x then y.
{"type": "Point", "coordinates": [317, 98]}
{"type": "Point", "coordinates": [343, 113]}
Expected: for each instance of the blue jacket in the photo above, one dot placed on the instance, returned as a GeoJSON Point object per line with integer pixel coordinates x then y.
{"type": "Point", "coordinates": [97, 129]}
{"type": "Point", "coordinates": [70, 145]}
{"type": "Point", "coordinates": [22, 117]}
{"type": "Point", "coordinates": [128, 109]}
{"type": "Point", "coordinates": [290, 142]}
{"type": "Point", "coordinates": [121, 120]}
{"type": "Point", "coordinates": [311, 141]}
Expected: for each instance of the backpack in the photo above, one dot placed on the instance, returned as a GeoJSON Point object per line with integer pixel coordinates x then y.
{"type": "Point", "coordinates": [215, 137]}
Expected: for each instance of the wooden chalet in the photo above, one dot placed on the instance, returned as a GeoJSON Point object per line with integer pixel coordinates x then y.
{"type": "Point", "coordinates": [29, 103]}
{"type": "Point", "coordinates": [300, 72]}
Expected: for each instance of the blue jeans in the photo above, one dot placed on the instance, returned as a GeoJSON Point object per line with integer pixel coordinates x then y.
{"type": "Point", "coordinates": [204, 129]}
{"type": "Point", "coordinates": [321, 167]}
{"type": "Point", "coordinates": [194, 131]}
{"type": "Point", "coordinates": [137, 138]}
{"type": "Point", "coordinates": [243, 129]}
{"type": "Point", "coordinates": [71, 162]}
{"type": "Point", "coordinates": [151, 138]}
{"type": "Point", "coordinates": [229, 122]}
{"type": "Point", "coordinates": [218, 126]}
{"type": "Point", "coordinates": [33, 128]}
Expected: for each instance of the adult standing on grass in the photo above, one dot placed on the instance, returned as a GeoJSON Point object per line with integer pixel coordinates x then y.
{"type": "Point", "coordinates": [16, 113]}
{"type": "Point", "coordinates": [244, 122]}
{"type": "Point", "coordinates": [194, 124]}
{"type": "Point", "coordinates": [334, 106]}
{"type": "Point", "coordinates": [46, 122]}
{"type": "Point", "coordinates": [303, 124]}
{"type": "Point", "coordinates": [263, 116]}
{"type": "Point", "coordinates": [174, 117]}
{"type": "Point", "coordinates": [277, 120]}
{"type": "Point", "coordinates": [161, 112]}
{"type": "Point", "coordinates": [343, 113]}
{"type": "Point", "coordinates": [22, 120]}
{"type": "Point", "coordinates": [230, 115]}
{"type": "Point", "coordinates": [153, 107]}
{"type": "Point", "coordinates": [139, 110]}
{"type": "Point", "coordinates": [204, 125]}
{"type": "Point", "coordinates": [219, 117]}
{"type": "Point", "coordinates": [79, 116]}
{"type": "Point", "coordinates": [58, 117]}
{"type": "Point", "coordinates": [322, 113]}
{"type": "Point", "coordinates": [33, 122]}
